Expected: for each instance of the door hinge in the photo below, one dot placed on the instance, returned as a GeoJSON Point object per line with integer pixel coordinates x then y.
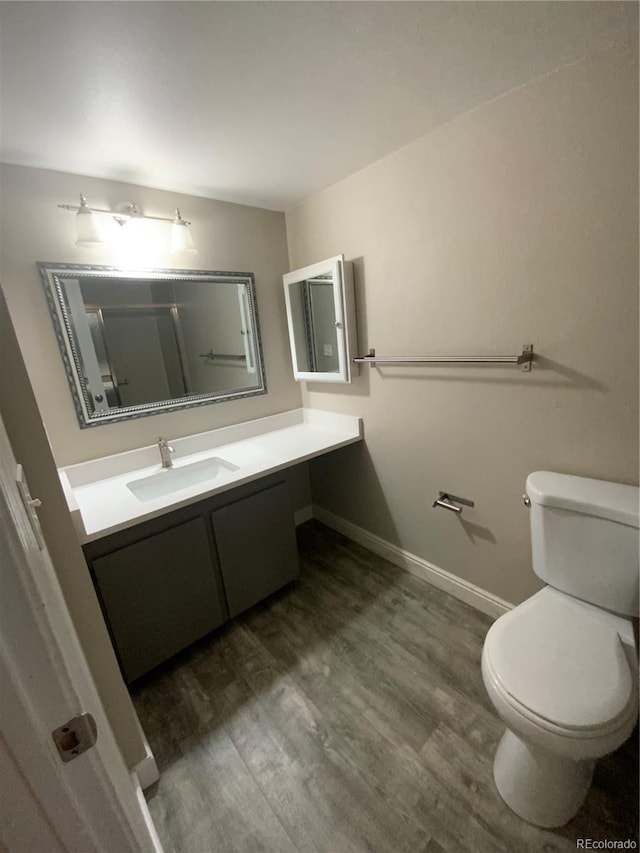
{"type": "Point", "coordinates": [75, 737]}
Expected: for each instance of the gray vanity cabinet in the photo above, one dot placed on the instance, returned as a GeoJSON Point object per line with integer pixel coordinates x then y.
{"type": "Point", "coordinates": [166, 582]}
{"type": "Point", "coordinates": [160, 595]}
{"type": "Point", "coordinates": [256, 544]}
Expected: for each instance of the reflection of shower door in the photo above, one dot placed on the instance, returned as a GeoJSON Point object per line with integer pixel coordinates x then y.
{"type": "Point", "coordinates": [107, 373]}
{"type": "Point", "coordinates": [142, 353]}
{"type": "Point", "coordinates": [320, 316]}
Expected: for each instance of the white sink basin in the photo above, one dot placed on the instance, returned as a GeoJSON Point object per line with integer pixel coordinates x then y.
{"type": "Point", "coordinates": [169, 480]}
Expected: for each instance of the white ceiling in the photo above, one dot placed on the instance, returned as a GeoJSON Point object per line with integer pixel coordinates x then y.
{"type": "Point", "coordinates": [265, 103]}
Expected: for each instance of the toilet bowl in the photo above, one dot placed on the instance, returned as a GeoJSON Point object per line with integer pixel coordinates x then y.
{"type": "Point", "coordinates": [562, 671]}
{"type": "Point", "coordinates": [560, 674]}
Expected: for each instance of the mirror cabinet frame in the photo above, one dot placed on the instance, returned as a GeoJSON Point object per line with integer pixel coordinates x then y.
{"type": "Point", "coordinates": [341, 274]}
{"type": "Point", "coordinates": [53, 276]}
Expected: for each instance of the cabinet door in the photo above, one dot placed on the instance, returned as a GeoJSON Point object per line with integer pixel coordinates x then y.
{"type": "Point", "coordinates": [256, 543]}
{"type": "Point", "coordinates": [159, 595]}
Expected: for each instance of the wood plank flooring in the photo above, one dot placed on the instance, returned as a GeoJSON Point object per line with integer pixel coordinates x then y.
{"type": "Point", "coordinates": [346, 714]}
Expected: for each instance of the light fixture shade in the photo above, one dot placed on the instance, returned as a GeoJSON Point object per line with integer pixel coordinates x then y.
{"type": "Point", "coordinates": [90, 233]}
{"type": "Point", "coordinates": [87, 228]}
{"type": "Point", "coordinates": [181, 239]}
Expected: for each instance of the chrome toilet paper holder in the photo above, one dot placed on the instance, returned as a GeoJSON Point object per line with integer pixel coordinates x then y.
{"type": "Point", "coordinates": [449, 501]}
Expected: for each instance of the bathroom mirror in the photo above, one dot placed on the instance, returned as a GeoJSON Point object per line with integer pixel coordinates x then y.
{"type": "Point", "coordinates": [321, 317]}
{"type": "Point", "coordinates": [137, 342]}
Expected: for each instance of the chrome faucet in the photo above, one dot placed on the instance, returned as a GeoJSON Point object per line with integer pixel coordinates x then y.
{"type": "Point", "coordinates": [165, 452]}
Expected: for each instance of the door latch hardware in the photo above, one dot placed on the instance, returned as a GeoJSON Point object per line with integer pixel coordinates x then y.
{"type": "Point", "coordinates": [75, 737]}
{"type": "Point", "coordinates": [30, 505]}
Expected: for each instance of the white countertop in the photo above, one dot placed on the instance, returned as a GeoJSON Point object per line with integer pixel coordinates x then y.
{"type": "Point", "coordinates": [101, 503]}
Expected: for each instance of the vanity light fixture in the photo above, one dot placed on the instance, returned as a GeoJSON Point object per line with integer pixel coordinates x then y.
{"type": "Point", "coordinates": [88, 231]}
{"type": "Point", "coordinates": [181, 238]}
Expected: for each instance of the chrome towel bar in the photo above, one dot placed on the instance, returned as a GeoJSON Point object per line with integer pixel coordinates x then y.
{"type": "Point", "coordinates": [525, 359]}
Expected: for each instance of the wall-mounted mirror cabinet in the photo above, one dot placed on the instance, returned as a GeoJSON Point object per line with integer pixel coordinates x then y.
{"type": "Point", "coordinates": [322, 321]}
{"type": "Point", "coordinates": [138, 343]}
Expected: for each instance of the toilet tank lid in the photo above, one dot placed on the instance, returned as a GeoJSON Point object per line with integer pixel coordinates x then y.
{"type": "Point", "coordinates": [613, 501]}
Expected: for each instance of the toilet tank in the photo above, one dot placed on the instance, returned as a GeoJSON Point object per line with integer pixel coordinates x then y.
{"type": "Point", "coordinates": [584, 538]}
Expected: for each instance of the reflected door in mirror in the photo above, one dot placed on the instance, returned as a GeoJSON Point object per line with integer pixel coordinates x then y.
{"type": "Point", "coordinates": [145, 362]}
{"type": "Point", "coordinates": [314, 319]}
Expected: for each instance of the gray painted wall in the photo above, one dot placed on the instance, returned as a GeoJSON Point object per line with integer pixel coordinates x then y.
{"type": "Point", "coordinates": [515, 223]}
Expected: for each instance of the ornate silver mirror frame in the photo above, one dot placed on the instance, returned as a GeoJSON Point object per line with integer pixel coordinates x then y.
{"type": "Point", "coordinates": [80, 329]}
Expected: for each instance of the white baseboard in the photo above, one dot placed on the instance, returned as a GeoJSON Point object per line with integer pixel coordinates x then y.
{"type": "Point", "coordinates": [156, 844]}
{"type": "Point", "coordinates": [465, 591]}
{"type": "Point", "coordinates": [146, 771]}
{"type": "Point", "coordinates": [303, 514]}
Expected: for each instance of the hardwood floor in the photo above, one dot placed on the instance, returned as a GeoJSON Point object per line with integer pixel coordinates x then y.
{"type": "Point", "coordinates": [346, 714]}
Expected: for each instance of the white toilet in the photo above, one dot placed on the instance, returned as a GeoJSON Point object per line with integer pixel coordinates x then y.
{"type": "Point", "coordinates": [562, 669]}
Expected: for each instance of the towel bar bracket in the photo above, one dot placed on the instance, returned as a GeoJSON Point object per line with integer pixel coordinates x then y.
{"type": "Point", "coordinates": [525, 360]}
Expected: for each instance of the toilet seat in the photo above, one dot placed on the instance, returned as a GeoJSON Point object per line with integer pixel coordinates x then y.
{"type": "Point", "coordinates": [561, 666]}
